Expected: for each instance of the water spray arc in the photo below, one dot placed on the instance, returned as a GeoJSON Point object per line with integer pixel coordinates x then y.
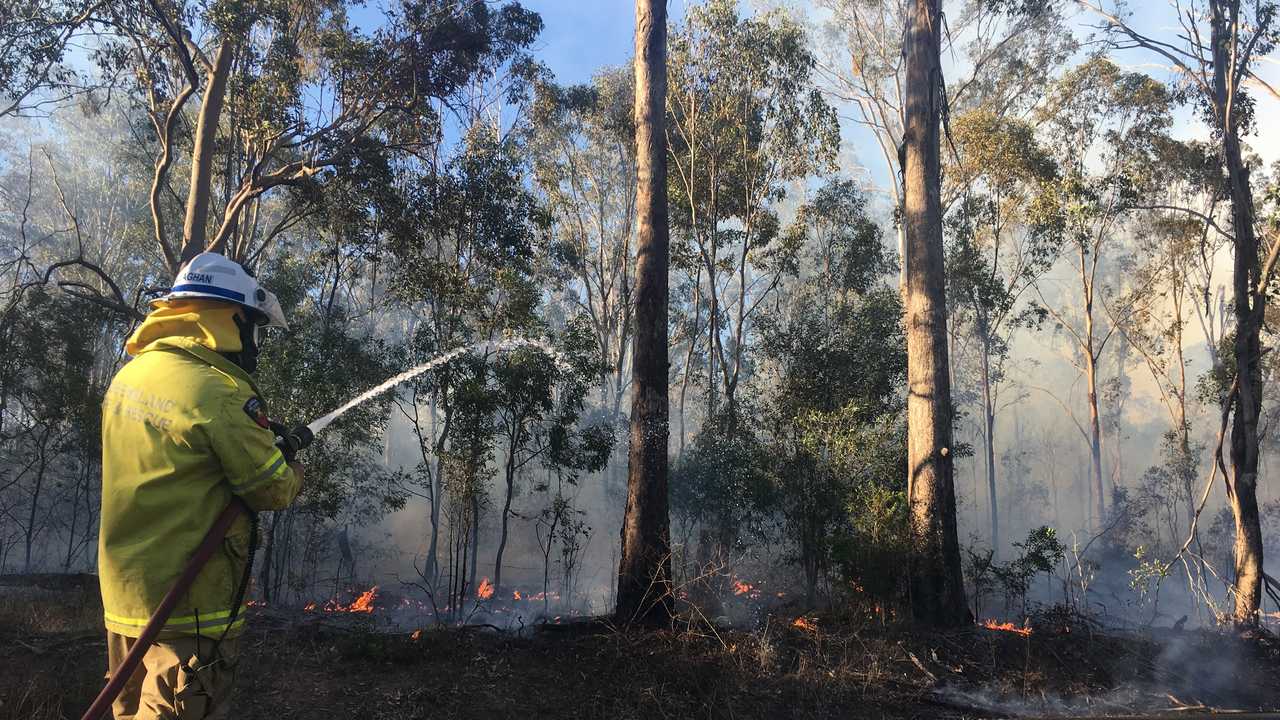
{"type": "Point", "coordinates": [505, 345]}
{"type": "Point", "coordinates": [289, 442]}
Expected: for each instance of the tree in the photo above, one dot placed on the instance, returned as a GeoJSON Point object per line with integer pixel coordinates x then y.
{"type": "Point", "coordinates": [1000, 244]}
{"type": "Point", "coordinates": [937, 587]}
{"type": "Point", "coordinates": [539, 404]}
{"type": "Point", "coordinates": [465, 247]}
{"type": "Point", "coordinates": [835, 366]}
{"type": "Point", "coordinates": [35, 36]}
{"type": "Point", "coordinates": [720, 486]}
{"type": "Point", "coordinates": [1214, 65]}
{"type": "Point", "coordinates": [291, 98]}
{"type": "Point", "coordinates": [582, 139]}
{"type": "Point", "coordinates": [1008, 50]}
{"type": "Point", "coordinates": [644, 571]}
{"type": "Point", "coordinates": [53, 397]}
{"type": "Point", "coordinates": [301, 381]}
{"type": "Point", "coordinates": [570, 449]}
{"type": "Point", "coordinates": [1170, 278]}
{"type": "Point", "coordinates": [743, 122]}
{"type": "Point", "coordinates": [1102, 123]}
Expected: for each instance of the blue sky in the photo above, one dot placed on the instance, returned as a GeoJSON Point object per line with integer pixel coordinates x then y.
{"type": "Point", "coordinates": [580, 36]}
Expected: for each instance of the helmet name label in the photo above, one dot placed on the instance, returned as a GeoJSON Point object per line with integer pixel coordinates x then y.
{"type": "Point", "coordinates": [211, 275]}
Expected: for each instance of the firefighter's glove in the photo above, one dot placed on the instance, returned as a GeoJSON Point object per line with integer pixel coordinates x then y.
{"type": "Point", "coordinates": [291, 441]}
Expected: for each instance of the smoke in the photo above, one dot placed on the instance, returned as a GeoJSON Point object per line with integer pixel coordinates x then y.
{"type": "Point", "coordinates": [528, 568]}
{"type": "Point", "coordinates": [1133, 674]}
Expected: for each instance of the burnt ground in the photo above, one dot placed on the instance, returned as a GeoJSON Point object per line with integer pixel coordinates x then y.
{"type": "Point", "coordinates": [294, 665]}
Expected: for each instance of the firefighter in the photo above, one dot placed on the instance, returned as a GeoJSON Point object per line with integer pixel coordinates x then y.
{"type": "Point", "coordinates": [184, 431]}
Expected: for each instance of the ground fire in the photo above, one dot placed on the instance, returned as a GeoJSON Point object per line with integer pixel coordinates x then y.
{"type": "Point", "coordinates": [362, 604]}
{"type": "Point", "coordinates": [1024, 631]}
{"type": "Point", "coordinates": [804, 623]}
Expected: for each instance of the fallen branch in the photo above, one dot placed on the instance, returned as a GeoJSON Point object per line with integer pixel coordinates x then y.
{"type": "Point", "coordinates": [916, 661]}
{"type": "Point", "coordinates": [42, 649]}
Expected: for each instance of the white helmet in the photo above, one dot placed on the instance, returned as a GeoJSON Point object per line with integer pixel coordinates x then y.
{"type": "Point", "coordinates": [213, 276]}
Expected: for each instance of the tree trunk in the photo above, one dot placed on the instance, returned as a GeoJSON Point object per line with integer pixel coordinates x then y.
{"type": "Point", "coordinates": [937, 586]}
{"type": "Point", "coordinates": [268, 549]}
{"type": "Point", "coordinates": [41, 468]}
{"type": "Point", "coordinates": [75, 518]}
{"type": "Point", "coordinates": [510, 475]}
{"type": "Point", "coordinates": [644, 570]}
{"type": "Point", "coordinates": [1097, 495]}
{"type": "Point", "coordinates": [197, 216]}
{"type": "Point", "coordinates": [473, 547]}
{"type": "Point", "coordinates": [1184, 431]}
{"type": "Point", "coordinates": [1249, 305]}
{"type": "Point", "coordinates": [989, 426]}
{"type": "Point", "coordinates": [433, 548]}
{"type": "Point", "coordinates": [1099, 509]}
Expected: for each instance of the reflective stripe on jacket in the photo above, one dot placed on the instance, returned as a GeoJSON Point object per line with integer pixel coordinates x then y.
{"type": "Point", "coordinates": [182, 432]}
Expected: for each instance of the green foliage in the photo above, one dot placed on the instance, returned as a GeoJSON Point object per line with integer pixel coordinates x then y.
{"type": "Point", "coordinates": [1100, 116]}
{"type": "Point", "coordinates": [835, 359]}
{"type": "Point", "coordinates": [1038, 554]}
{"type": "Point", "coordinates": [36, 36]}
{"type": "Point", "coordinates": [739, 94]}
{"type": "Point", "coordinates": [744, 121]}
{"type": "Point", "coordinates": [51, 390]}
{"type": "Point", "coordinates": [721, 481]}
{"type": "Point", "coordinates": [48, 360]}
{"type": "Point", "coordinates": [1145, 578]}
{"type": "Point", "coordinates": [302, 381]}
{"type": "Point", "coordinates": [869, 546]}
{"type": "Point", "coordinates": [1005, 229]}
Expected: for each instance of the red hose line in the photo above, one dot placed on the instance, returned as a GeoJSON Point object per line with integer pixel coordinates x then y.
{"type": "Point", "coordinates": [162, 613]}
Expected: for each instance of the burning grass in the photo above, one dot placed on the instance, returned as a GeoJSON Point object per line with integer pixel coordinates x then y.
{"type": "Point", "coordinates": [804, 623]}
{"type": "Point", "coordinates": [1024, 631]}
{"type": "Point", "coordinates": [364, 603]}
{"type": "Point", "coordinates": [816, 665]}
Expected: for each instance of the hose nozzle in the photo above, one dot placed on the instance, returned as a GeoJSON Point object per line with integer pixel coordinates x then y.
{"type": "Point", "coordinates": [292, 441]}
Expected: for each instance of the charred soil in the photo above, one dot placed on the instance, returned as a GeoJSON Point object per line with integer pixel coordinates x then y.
{"type": "Point", "coordinates": [296, 665]}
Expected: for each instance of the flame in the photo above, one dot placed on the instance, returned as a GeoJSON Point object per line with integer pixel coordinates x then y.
{"type": "Point", "coordinates": [805, 623]}
{"type": "Point", "coordinates": [485, 591]}
{"type": "Point", "coordinates": [1024, 631]}
{"type": "Point", "coordinates": [741, 588]}
{"type": "Point", "coordinates": [515, 595]}
{"type": "Point", "coordinates": [416, 634]}
{"type": "Point", "coordinates": [364, 603]}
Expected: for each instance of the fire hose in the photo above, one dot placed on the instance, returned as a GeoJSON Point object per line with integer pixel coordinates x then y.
{"type": "Point", "coordinates": [289, 442]}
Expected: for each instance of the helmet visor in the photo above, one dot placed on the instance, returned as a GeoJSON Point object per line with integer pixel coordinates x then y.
{"type": "Point", "coordinates": [269, 306]}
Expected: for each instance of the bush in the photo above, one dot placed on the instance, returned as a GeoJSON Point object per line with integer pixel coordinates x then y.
{"type": "Point", "coordinates": [1039, 553]}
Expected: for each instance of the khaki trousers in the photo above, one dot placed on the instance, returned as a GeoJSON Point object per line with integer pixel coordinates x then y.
{"type": "Point", "coordinates": [176, 680]}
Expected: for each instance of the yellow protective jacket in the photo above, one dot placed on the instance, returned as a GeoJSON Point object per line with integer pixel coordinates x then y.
{"type": "Point", "coordinates": [183, 430]}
